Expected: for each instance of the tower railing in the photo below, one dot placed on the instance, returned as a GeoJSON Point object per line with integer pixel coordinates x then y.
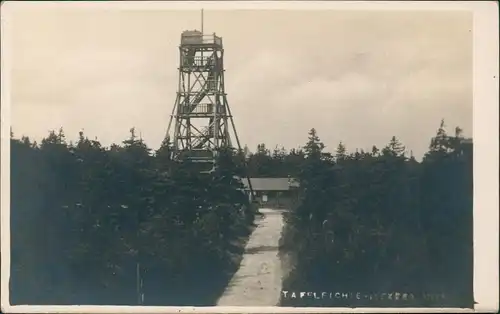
{"type": "Point", "coordinates": [200, 109]}
{"type": "Point", "coordinates": [198, 62]}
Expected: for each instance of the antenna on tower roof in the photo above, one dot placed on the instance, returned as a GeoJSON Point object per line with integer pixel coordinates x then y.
{"type": "Point", "coordinates": [202, 21]}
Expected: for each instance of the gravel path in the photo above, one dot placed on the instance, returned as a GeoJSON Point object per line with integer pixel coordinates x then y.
{"type": "Point", "coordinates": [258, 280]}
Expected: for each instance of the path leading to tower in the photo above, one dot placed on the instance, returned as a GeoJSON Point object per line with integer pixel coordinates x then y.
{"type": "Point", "coordinates": [258, 280]}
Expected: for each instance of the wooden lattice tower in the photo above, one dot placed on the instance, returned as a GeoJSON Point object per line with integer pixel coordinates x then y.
{"type": "Point", "coordinates": [201, 111]}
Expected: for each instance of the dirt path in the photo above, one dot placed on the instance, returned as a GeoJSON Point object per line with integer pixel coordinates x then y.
{"type": "Point", "coordinates": [258, 280]}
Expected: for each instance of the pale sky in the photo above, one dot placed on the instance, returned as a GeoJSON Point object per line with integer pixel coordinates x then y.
{"type": "Point", "coordinates": [356, 76]}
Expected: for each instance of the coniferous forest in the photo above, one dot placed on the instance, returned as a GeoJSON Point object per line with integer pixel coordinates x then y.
{"type": "Point", "coordinates": [84, 216]}
{"type": "Point", "coordinates": [380, 222]}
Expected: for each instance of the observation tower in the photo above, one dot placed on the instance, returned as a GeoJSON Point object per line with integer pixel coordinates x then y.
{"type": "Point", "coordinates": [202, 120]}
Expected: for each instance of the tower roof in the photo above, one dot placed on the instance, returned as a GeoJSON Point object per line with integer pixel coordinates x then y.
{"type": "Point", "coordinates": [197, 38]}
